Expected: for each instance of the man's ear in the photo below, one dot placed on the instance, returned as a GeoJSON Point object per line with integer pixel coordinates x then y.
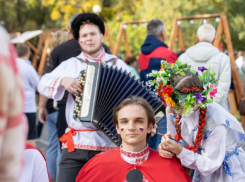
{"type": "Point", "coordinates": [163, 35]}
{"type": "Point", "coordinates": [149, 128]}
{"type": "Point", "coordinates": [102, 38]}
{"type": "Point", "coordinates": [197, 38]}
{"type": "Point", "coordinates": [118, 130]}
{"type": "Point", "coordinates": [69, 30]}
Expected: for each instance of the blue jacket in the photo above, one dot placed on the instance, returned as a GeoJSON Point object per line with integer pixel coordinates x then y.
{"type": "Point", "coordinates": [152, 52]}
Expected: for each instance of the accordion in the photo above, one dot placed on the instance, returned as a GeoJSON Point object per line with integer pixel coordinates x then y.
{"type": "Point", "coordinates": [104, 87]}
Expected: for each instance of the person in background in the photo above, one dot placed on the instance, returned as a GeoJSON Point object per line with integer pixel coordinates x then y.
{"type": "Point", "coordinates": [82, 140]}
{"type": "Point", "coordinates": [13, 124]}
{"type": "Point", "coordinates": [30, 80]}
{"type": "Point", "coordinates": [239, 64]}
{"type": "Point", "coordinates": [51, 115]}
{"type": "Point", "coordinates": [205, 54]}
{"type": "Point", "coordinates": [132, 62]}
{"type": "Point", "coordinates": [134, 120]}
{"type": "Point", "coordinates": [153, 51]}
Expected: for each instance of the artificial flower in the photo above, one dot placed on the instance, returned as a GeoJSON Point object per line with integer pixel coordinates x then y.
{"type": "Point", "coordinates": [169, 100]}
{"type": "Point", "coordinates": [200, 97]}
{"type": "Point", "coordinates": [168, 90]}
{"type": "Point", "coordinates": [202, 69]}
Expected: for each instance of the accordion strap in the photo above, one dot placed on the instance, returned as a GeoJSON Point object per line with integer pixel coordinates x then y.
{"type": "Point", "coordinates": [67, 137]}
{"type": "Point", "coordinates": [87, 61]}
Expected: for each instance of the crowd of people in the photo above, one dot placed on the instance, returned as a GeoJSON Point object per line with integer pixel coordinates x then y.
{"type": "Point", "coordinates": [196, 139]}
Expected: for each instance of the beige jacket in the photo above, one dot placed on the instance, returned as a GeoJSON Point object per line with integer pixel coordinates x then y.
{"type": "Point", "coordinates": [205, 54]}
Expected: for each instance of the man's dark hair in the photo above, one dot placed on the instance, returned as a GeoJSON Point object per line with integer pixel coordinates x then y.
{"type": "Point", "coordinates": [86, 18]}
{"type": "Point", "coordinates": [130, 60]}
{"type": "Point", "coordinates": [22, 50]}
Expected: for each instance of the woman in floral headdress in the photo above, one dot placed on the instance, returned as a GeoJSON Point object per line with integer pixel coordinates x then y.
{"type": "Point", "coordinates": [203, 135]}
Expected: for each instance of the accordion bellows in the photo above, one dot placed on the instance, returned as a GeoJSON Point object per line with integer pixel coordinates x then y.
{"type": "Point", "coordinates": [104, 87]}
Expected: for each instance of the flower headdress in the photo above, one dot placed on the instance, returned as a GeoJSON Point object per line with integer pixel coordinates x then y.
{"type": "Point", "coordinates": [188, 97]}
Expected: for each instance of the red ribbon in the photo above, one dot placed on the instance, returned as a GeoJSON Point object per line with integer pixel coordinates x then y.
{"type": "Point", "coordinates": [67, 137]}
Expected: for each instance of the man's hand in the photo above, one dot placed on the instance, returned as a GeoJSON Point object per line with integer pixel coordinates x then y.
{"type": "Point", "coordinates": [42, 115]}
{"type": "Point", "coordinates": [71, 85]}
{"type": "Point", "coordinates": [168, 145]}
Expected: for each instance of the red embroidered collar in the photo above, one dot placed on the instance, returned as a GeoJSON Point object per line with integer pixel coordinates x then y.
{"type": "Point", "coordinates": [98, 59]}
{"type": "Point", "coordinates": [134, 154]}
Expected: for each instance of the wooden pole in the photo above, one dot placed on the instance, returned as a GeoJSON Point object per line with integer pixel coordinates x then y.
{"type": "Point", "coordinates": [235, 74]}
{"type": "Point", "coordinates": [44, 54]}
{"type": "Point", "coordinates": [119, 39]}
{"type": "Point", "coordinates": [200, 16]}
{"type": "Point", "coordinates": [173, 35]}
{"type": "Point", "coordinates": [126, 44]}
{"type": "Point", "coordinates": [108, 35]}
{"type": "Point", "coordinates": [180, 40]}
{"type": "Point", "coordinates": [218, 34]}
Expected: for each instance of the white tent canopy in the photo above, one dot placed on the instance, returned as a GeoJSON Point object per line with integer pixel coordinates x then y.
{"type": "Point", "coordinates": [26, 36]}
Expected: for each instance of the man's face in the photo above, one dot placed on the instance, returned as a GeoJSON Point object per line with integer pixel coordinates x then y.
{"type": "Point", "coordinates": [133, 125]}
{"type": "Point", "coordinates": [91, 38]}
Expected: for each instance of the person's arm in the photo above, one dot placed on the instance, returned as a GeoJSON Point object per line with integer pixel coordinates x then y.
{"type": "Point", "coordinates": [54, 84]}
{"type": "Point", "coordinates": [42, 111]}
{"type": "Point", "coordinates": [224, 80]}
{"type": "Point", "coordinates": [208, 161]}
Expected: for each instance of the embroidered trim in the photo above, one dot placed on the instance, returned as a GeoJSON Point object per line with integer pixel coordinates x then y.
{"type": "Point", "coordinates": [98, 59]}
{"type": "Point", "coordinates": [227, 122]}
{"type": "Point", "coordinates": [241, 136]}
{"type": "Point", "coordinates": [195, 129]}
{"type": "Point", "coordinates": [226, 166]}
{"type": "Point", "coordinates": [206, 135]}
{"type": "Point", "coordinates": [134, 154]}
{"type": "Point", "coordinates": [52, 87]}
{"type": "Point", "coordinates": [89, 147]}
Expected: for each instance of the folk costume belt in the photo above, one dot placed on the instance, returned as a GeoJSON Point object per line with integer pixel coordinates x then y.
{"type": "Point", "coordinates": [67, 137]}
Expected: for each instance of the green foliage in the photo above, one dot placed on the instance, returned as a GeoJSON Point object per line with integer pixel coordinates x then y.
{"type": "Point", "coordinates": [23, 15]}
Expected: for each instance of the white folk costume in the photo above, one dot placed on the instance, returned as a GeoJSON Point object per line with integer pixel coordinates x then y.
{"type": "Point", "coordinates": [79, 135]}
{"type": "Point", "coordinates": [220, 157]}
{"type": "Point", "coordinates": [211, 136]}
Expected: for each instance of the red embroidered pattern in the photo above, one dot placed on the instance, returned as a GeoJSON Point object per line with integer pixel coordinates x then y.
{"type": "Point", "coordinates": [52, 87]}
{"type": "Point", "coordinates": [89, 147]}
{"type": "Point", "coordinates": [191, 89]}
{"type": "Point", "coordinates": [140, 160]}
{"type": "Point", "coordinates": [134, 154]}
{"type": "Point", "coordinates": [99, 59]}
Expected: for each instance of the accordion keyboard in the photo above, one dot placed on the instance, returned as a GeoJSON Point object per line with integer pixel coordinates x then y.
{"type": "Point", "coordinates": [78, 100]}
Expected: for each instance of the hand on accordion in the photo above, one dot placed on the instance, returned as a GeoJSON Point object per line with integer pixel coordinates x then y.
{"type": "Point", "coordinates": [71, 85]}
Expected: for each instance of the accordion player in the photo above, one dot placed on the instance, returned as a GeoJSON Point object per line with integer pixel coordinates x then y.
{"type": "Point", "coordinates": [104, 87]}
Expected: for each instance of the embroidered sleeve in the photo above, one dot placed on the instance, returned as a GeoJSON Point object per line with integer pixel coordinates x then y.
{"type": "Point", "coordinates": [49, 84]}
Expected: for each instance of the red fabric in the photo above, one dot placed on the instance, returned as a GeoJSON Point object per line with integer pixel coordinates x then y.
{"type": "Point", "coordinates": [29, 146]}
{"type": "Point", "coordinates": [109, 166]}
{"type": "Point", "coordinates": [67, 137]}
{"type": "Point", "coordinates": [161, 53]}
